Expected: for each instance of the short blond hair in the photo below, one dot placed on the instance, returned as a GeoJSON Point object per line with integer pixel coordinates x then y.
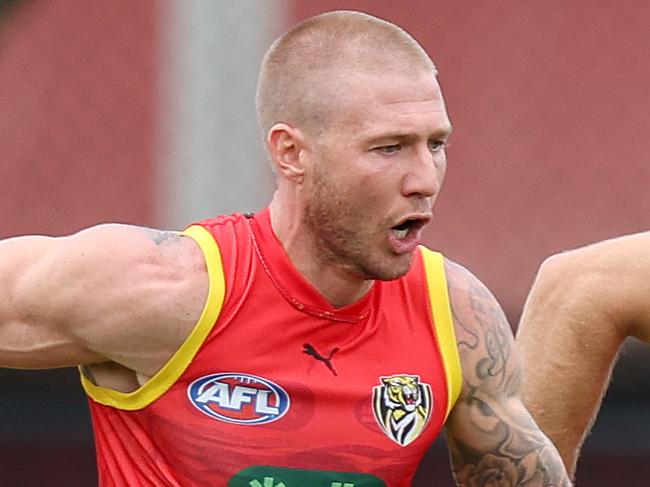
{"type": "Point", "coordinates": [303, 72]}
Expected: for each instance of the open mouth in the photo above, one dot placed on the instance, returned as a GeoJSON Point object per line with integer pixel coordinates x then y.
{"type": "Point", "coordinates": [405, 228]}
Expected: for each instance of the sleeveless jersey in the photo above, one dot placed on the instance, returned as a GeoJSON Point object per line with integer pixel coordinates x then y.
{"type": "Point", "coordinates": [275, 387]}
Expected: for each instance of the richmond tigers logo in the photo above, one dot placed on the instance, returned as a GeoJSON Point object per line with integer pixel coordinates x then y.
{"type": "Point", "coordinates": [402, 407]}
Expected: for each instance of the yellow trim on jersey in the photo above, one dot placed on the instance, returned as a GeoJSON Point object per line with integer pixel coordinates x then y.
{"type": "Point", "coordinates": [443, 324]}
{"type": "Point", "coordinates": [172, 370]}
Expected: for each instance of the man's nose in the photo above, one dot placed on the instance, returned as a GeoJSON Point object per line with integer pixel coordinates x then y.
{"type": "Point", "coordinates": [425, 174]}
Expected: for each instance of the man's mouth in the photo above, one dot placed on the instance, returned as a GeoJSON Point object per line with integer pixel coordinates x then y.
{"type": "Point", "coordinates": [402, 230]}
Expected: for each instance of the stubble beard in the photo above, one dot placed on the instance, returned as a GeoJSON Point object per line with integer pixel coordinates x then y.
{"type": "Point", "coordinates": [343, 237]}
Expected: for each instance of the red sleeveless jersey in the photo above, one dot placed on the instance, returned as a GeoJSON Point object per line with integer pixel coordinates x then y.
{"type": "Point", "coordinates": [275, 387]}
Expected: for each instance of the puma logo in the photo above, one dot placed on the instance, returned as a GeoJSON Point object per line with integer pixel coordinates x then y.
{"type": "Point", "coordinates": [311, 351]}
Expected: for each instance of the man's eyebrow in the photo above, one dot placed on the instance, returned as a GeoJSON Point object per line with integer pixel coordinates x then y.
{"type": "Point", "coordinates": [442, 133]}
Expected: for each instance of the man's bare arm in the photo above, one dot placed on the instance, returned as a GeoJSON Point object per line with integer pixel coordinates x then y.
{"type": "Point", "coordinates": [493, 439]}
{"type": "Point", "coordinates": [582, 306]}
{"type": "Point", "coordinates": [109, 294]}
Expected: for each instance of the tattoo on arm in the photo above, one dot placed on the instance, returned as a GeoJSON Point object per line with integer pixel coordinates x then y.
{"type": "Point", "coordinates": [493, 440]}
{"type": "Point", "coordinates": [510, 454]}
{"type": "Point", "coordinates": [496, 340]}
{"type": "Point", "coordinates": [163, 237]}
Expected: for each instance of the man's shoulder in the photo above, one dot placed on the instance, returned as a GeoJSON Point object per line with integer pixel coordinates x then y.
{"type": "Point", "coordinates": [214, 223]}
{"type": "Point", "coordinates": [226, 229]}
{"type": "Point", "coordinates": [613, 254]}
{"type": "Point", "coordinates": [453, 270]}
{"type": "Point", "coordinates": [437, 269]}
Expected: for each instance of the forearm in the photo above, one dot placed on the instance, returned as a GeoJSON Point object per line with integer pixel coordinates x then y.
{"type": "Point", "coordinates": [563, 389]}
{"type": "Point", "coordinates": [568, 343]}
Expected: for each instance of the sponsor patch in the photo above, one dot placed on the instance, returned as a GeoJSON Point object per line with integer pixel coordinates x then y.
{"type": "Point", "coordinates": [402, 406]}
{"type": "Point", "coordinates": [267, 476]}
{"type": "Point", "coordinates": [239, 398]}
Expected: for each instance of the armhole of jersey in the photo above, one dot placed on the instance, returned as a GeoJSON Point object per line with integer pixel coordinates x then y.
{"type": "Point", "coordinates": [442, 322]}
{"type": "Point", "coordinates": [172, 370]}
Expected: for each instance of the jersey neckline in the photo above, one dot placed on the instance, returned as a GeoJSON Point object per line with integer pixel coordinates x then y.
{"type": "Point", "coordinates": [297, 290]}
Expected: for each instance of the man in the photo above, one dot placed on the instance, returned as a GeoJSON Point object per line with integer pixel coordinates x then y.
{"type": "Point", "coordinates": [582, 306]}
{"type": "Point", "coordinates": [312, 343]}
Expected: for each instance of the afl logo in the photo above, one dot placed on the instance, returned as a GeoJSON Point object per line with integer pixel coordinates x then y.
{"type": "Point", "coordinates": [239, 398]}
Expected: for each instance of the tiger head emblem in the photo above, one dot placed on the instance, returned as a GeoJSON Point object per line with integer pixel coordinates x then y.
{"type": "Point", "coordinates": [402, 407]}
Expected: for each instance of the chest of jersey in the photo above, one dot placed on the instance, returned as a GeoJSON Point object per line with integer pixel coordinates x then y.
{"type": "Point", "coordinates": [274, 386]}
{"type": "Point", "coordinates": [286, 389]}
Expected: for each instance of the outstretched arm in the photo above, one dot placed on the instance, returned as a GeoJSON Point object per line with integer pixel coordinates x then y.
{"type": "Point", "coordinates": [582, 306]}
{"type": "Point", "coordinates": [109, 294]}
{"type": "Point", "coordinates": [493, 439]}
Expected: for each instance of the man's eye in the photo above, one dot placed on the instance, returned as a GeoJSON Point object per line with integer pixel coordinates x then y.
{"type": "Point", "coordinates": [388, 149]}
{"type": "Point", "coordinates": [437, 145]}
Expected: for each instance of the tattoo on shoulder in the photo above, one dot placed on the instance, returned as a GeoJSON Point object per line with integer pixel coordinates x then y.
{"type": "Point", "coordinates": [167, 238]}
{"type": "Point", "coordinates": [498, 337]}
{"type": "Point", "coordinates": [161, 237]}
{"type": "Point", "coordinates": [486, 334]}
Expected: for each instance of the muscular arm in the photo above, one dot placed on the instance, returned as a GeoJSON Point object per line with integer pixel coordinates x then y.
{"type": "Point", "coordinates": [493, 440]}
{"type": "Point", "coordinates": [582, 306]}
{"type": "Point", "coordinates": [109, 294]}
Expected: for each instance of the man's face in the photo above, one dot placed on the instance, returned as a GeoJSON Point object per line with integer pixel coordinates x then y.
{"type": "Point", "coordinates": [374, 173]}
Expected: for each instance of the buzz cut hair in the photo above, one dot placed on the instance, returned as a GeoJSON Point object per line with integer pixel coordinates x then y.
{"type": "Point", "coordinates": [304, 72]}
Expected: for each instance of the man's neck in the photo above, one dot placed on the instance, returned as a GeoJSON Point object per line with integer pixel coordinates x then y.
{"type": "Point", "coordinates": [333, 282]}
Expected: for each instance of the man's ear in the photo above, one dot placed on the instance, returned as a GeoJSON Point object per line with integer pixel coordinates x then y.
{"type": "Point", "coordinates": [286, 146]}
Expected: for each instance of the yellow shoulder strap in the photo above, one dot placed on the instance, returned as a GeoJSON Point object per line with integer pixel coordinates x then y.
{"type": "Point", "coordinates": [443, 325]}
{"type": "Point", "coordinates": [172, 370]}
